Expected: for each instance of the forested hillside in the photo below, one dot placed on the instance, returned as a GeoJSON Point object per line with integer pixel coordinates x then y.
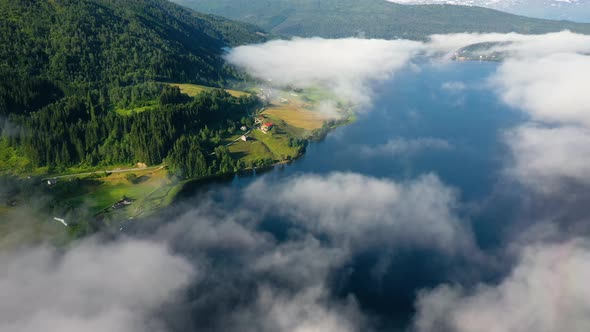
{"type": "Point", "coordinates": [67, 65]}
{"type": "Point", "coordinates": [373, 18]}
{"type": "Point", "coordinates": [114, 41]}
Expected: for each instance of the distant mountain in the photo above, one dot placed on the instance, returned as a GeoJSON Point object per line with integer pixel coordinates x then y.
{"type": "Point", "coordinates": [573, 10]}
{"type": "Point", "coordinates": [373, 18]}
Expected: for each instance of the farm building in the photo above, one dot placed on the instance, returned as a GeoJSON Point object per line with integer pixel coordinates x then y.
{"type": "Point", "coordinates": [266, 127]}
{"type": "Point", "coordinates": [122, 203]}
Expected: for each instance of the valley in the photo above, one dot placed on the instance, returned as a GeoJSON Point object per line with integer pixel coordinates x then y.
{"type": "Point", "coordinates": [140, 88]}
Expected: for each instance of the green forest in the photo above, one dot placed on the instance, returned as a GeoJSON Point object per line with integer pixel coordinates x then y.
{"type": "Point", "coordinates": [67, 65]}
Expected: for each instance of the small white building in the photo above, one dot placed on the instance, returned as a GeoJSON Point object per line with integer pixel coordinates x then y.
{"type": "Point", "coordinates": [244, 138]}
{"type": "Point", "coordinates": [243, 128]}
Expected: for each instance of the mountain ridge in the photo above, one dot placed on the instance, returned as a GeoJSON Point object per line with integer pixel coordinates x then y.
{"type": "Point", "coordinates": [374, 18]}
{"type": "Point", "coordinates": [571, 10]}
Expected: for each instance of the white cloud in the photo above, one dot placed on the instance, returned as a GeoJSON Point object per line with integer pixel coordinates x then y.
{"type": "Point", "coordinates": [547, 291]}
{"type": "Point", "coordinates": [306, 311]}
{"type": "Point", "coordinates": [313, 260]}
{"type": "Point", "coordinates": [513, 44]}
{"type": "Point", "coordinates": [351, 209]}
{"type": "Point", "coordinates": [547, 79]}
{"type": "Point", "coordinates": [551, 88]}
{"type": "Point", "coordinates": [348, 67]}
{"type": "Point", "coordinates": [345, 66]}
{"type": "Point", "coordinates": [545, 157]}
{"type": "Point", "coordinates": [91, 287]}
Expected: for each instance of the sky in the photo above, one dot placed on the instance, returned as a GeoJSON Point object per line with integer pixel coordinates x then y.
{"type": "Point", "coordinates": [202, 267]}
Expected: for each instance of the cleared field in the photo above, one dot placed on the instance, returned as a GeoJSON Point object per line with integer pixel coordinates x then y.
{"type": "Point", "coordinates": [149, 189]}
{"type": "Point", "coordinates": [296, 116]}
{"type": "Point", "coordinates": [193, 89]}
{"type": "Point", "coordinates": [250, 151]}
{"type": "Point", "coordinates": [126, 112]}
{"type": "Point", "coordinates": [277, 142]}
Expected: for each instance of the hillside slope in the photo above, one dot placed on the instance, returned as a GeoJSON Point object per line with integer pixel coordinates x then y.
{"type": "Point", "coordinates": [82, 82]}
{"type": "Point", "coordinates": [572, 10]}
{"type": "Point", "coordinates": [114, 41]}
{"type": "Point", "coordinates": [373, 18]}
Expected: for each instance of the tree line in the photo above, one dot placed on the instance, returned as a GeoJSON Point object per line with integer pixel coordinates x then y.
{"type": "Point", "coordinates": [83, 131]}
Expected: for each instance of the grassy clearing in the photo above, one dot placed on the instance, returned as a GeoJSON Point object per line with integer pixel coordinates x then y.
{"type": "Point", "coordinates": [12, 161]}
{"type": "Point", "coordinates": [150, 189]}
{"type": "Point", "coordinates": [228, 139]}
{"type": "Point", "coordinates": [277, 142]}
{"type": "Point", "coordinates": [296, 116]}
{"type": "Point", "coordinates": [250, 151]}
{"type": "Point", "coordinates": [299, 110]}
{"type": "Point", "coordinates": [193, 90]}
{"type": "Point", "coordinates": [126, 112]}
{"type": "Point", "coordinates": [273, 145]}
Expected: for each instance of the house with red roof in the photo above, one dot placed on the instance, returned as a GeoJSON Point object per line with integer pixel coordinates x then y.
{"type": "Point", "coordinates": [266, 127]}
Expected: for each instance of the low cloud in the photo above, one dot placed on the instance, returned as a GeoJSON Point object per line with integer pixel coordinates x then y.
{"type": "Point", "coordinates": [405, 147]}
{"type": "Point", "coordinates": [308, 310]}
{"type": "Point", "coordinates": [7, 128]}
{"type": "Point", "coordinates": [90, 287]}
{"type": "Point", "coordinates": [547, 291]}
{"type": "Point", "coordinates": [347, 67]}
{"type": "Point", "coordinates": [351, 208]}
{"type": "Point", "coordinates": [551, 149]}
{"type": "Point", "coordinates": [552, 89]}
{"type": "Point", "coordinates": [512, 44]}
{"type": "Point", "coordinates": [546, 159]}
